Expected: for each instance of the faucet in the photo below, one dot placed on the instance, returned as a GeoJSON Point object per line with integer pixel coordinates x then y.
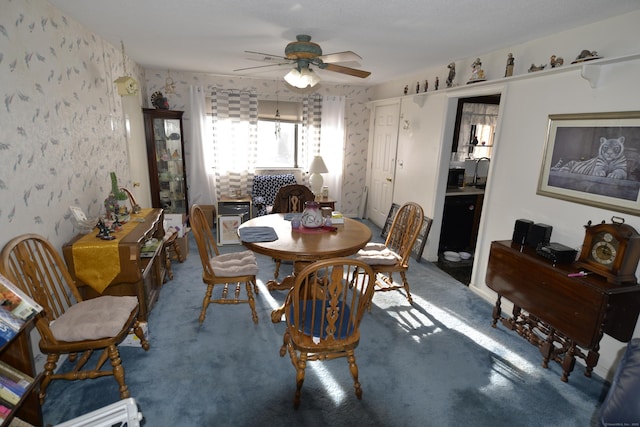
{"type": "Point", "coordinates": [475, 173]}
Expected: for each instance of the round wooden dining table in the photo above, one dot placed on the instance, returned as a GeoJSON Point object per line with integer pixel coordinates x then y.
{"type": "Point", "coordinates": [303, 246]}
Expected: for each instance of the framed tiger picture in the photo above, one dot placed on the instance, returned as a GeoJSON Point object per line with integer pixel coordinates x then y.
{"type": "Point", "coordinates": [593, 159]}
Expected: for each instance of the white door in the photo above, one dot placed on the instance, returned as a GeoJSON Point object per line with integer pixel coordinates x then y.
{"type": "Point", "coordinates": [383, 161]}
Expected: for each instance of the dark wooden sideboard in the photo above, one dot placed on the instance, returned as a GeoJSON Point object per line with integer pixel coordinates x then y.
{"type": "Point", "coordinates": [141, 277]}
{"type": "Point", "coordinates": [565, 317]}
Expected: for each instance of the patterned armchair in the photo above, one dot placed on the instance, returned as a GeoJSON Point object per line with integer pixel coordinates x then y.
{"type": "Point", "coordinates": [265, 188]}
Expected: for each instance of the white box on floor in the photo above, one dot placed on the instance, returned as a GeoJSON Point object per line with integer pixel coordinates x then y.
{"type": "Point", "coordinates": [122, 413]}
{"type": "Point", "coordinates": [132, 339]}
{"type": "Point", "coordinates": [179, 221]}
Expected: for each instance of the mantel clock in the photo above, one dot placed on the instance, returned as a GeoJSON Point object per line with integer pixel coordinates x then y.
{"type": "Point", "coordinates": [611, 250]}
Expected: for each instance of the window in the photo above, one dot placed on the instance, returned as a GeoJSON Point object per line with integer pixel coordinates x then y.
{"type": "Point", "coordinates": [277, 149]}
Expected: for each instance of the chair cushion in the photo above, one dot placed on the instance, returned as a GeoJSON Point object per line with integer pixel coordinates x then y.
{"type": "Point", "coordinates": [93, 319]}
{"type": "Point", "coordinates": [345, 328]}
{"type": "Point", "coordinates": [235, 264]}
{"type": "Point", "coordinates": [377, 254]}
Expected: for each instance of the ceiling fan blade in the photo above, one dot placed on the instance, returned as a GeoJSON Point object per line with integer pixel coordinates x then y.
{"type": "Point", "coordinates": [263, 66]}
{"type": "Point", "coordinates": [267, 56]}
{"type": "Point", "coordinates": [346, 56]}
{"type": "Point", "coordinates": [346, 70]}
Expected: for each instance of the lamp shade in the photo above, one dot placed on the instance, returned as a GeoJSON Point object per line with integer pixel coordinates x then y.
{"type": "Point", "coordinates": [317, 165]}
{"type": "Point", "coordinates": [316, 168]}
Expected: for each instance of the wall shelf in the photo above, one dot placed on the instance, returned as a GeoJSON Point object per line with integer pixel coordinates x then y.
{"type": "Point", "coordinates": [589, 70]}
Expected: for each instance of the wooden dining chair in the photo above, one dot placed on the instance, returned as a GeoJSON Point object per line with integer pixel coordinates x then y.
{"type": "Point", "coordinates": [225, 270]}
{"type": "Point", "coordinates": [68, 324]}
{"type": "Point", "coordinates": [323, 312]}
{"type": "Point", "coordinates": [393, 256]}
{"type": "Point", "coordinates": [290, 198]}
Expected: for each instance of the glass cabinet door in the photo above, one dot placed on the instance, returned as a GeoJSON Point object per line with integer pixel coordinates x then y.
{"type": "Point", "coordinates": [165, 149]}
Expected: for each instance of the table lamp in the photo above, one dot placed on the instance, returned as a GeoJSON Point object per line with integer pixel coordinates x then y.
{"type": "Point", "coordinates": [316, 169]}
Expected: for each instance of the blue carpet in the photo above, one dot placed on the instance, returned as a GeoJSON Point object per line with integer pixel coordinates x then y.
{"type": "Point", "coordinates": [436, 363]}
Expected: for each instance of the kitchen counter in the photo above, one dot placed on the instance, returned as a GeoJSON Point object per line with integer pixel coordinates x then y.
{"type": "Point", "coordinates": [467, 190]}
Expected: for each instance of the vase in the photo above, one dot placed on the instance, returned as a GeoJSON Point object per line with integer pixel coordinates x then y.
{"type": "Point", "coordinates": [311, 215]}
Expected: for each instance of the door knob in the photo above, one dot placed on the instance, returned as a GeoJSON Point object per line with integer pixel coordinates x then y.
{"type": "Point", "coordinates": [389, 179]}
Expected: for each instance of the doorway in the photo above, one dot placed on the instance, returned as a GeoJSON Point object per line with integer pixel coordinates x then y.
{"type": "Point", "coordinates": [471, 150]}
{"type": "Point", "coordinates": [383, 162]}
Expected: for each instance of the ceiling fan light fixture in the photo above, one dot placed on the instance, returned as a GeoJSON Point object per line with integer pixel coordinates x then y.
{"type": "Point", "coordinates": [302, 78]}
{"type": "Point", "coordinates": [293, 77]}
{"type": "Point", "coordinates": [309, 77]}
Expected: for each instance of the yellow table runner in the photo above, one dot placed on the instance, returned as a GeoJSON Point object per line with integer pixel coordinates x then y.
{"type": "Point", "coordinates": [97, 261]}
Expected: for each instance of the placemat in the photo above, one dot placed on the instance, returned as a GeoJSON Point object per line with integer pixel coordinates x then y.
{"type": "Point", "coordinates": [257, 234]}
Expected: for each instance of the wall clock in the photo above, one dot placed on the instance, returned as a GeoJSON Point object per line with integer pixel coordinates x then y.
{"type": "Point", "coordinates": [126, 86]}
{"type": "Point", "coordinates": [611, 250]}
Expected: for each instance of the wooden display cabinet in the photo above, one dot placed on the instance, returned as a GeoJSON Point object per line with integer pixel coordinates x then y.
{"type": "Point", "coordinates": [165, 154]}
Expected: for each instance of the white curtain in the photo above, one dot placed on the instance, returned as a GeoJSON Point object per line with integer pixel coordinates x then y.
{"type": "Point", "coordinates": [332, 145]}
{"type": "Point", "coordinates": [235, 139]}
{"type": "Point", "coordinates": [199, 154]}
{"type": "Point", "coordinates": [310, 132]}
{"type": "Point", "coordinates": [474, 114]}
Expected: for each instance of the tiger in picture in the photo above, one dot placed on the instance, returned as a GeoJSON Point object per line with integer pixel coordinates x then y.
{"type": "Point", "coordinates": [610, 161]}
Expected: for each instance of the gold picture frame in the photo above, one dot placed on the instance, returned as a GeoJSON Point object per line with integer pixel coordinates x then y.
{"type": "Point", "coordinates": [593, 159]}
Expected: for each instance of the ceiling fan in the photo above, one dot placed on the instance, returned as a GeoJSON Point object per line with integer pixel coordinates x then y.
{"type": "Point", "coordinates": [303, 53]}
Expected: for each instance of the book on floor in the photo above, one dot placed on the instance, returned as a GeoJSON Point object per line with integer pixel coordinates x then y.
{"type": "Point", "coordinates": [13, 299]}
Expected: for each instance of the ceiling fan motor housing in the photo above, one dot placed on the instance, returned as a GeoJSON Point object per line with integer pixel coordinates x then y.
{"type": "Point", "coordinates": [302, 48]}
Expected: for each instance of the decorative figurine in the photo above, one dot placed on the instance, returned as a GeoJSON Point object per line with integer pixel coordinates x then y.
{"type": "Point", "coordinates": [477, 73]}
{"type": "Point", "coordinates": [452, 74]}
{"type": "Point", "coordinates": [406, 89]}
{"type": "Point", "coordinates": [585, 55]}
{"type": "Point", "coordinates": [508, 72]}
{"type": "Point", "coordinates": [417, 87]}
{"type": "Point", "coordinates": [437, 84]}
{"type": "Point", "coordinates": [159, 101]}
{"type": "Point", "coordinates": [104, 232]}
{"type": "Point", "coordinates": [556, 61]}
{"type": "Point", "coordinates": [535, 67]}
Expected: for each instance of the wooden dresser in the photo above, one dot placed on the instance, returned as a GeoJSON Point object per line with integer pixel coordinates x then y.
{"type": "Point", "coordinates": [565, 317]}
{"type": "Point", "coordinates": [142, 277]}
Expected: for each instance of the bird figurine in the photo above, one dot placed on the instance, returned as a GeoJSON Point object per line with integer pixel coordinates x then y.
{"type": "Point", "coordinates": [535, 67]}
{"type": "Point", "coordinates": [556, 61]}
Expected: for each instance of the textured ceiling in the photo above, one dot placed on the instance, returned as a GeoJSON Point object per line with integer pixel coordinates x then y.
{"type": "Point", "coordinates": [394, 38]}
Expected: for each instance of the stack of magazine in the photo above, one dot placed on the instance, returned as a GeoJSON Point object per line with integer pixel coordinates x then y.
{"type": "Point", "coordinates": [16, 308]}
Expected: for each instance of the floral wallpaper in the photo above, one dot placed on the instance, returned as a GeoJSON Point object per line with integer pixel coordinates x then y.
{"type": "Point", "coordinates": [61, 119]}
{"type": "Point", "coordinates": [356, 115]}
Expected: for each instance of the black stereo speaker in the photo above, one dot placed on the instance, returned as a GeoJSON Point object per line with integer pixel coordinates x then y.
{"type": "Point", "coordinates": [521, 230]}
{"type": "Point", "coordinates": [538, 233]}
